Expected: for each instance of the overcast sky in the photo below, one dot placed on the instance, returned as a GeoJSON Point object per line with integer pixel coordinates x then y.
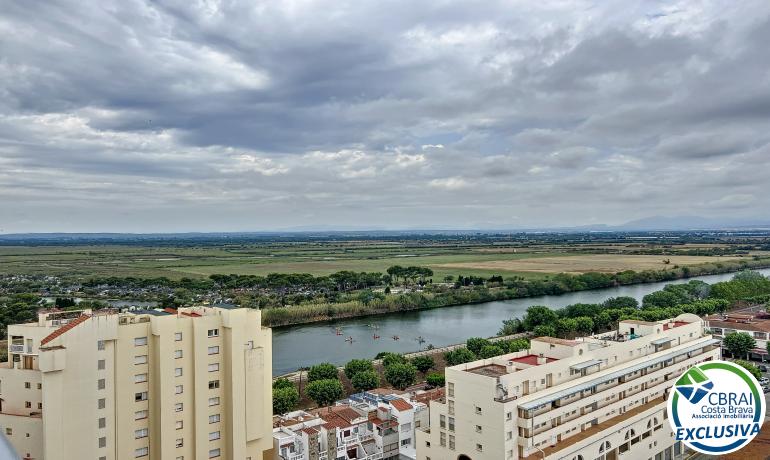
{"type": "Point", "coordinates": [184, 115]}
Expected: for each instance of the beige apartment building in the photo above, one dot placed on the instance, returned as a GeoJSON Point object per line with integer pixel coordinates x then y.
{"type": "Point", "coordinates": [599, 397]}
{"type": "Point", "coordinates": [186, 384]}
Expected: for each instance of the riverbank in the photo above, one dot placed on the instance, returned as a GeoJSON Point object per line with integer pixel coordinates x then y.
{"type": "Point", "coordinates": [520, 289]}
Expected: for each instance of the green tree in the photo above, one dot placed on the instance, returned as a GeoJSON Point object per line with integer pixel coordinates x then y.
{"type": "Point", "coordinates": [435, 379]}
{"type": "Point", "coordinates": [354, 366]}
{"type": "Point", "coordinates": [539, 315]}
{"type": "Point", "coordinates": [282, 383]}
{"type": "Point", "coordinates": [490, 351]}
{"type": "Point", "coordinates": [753, 370]}
{"type": "Point", "coordinates": [323, 371]}
{"type": "Point", "coordinates": [511, 326]}
{"type": "Point", "coordinates": [365, 380]}
{"type": "Point", "coordinates": [565, 327]}
{"type": "Point", "coordinates": [423, 363]}
{"type": "Point", "coordinates": [459, 356]}
{"type": "Point", "coordinates": [739, 343]}
{"type": "Point", "coordinates": [285, 399]}
{"type": "Point", "coordinates": [544, 331]}
{"type": "Point", "coordinates": [475, 344]}
{"type": "Point", "coordinates": [390, 359]}
{"type": "Point", "coordinates": [585, 325]}
{"type": "Point", "coordinates": [324, 392]}
{"type": "Point", "coordinates": [401, 375]}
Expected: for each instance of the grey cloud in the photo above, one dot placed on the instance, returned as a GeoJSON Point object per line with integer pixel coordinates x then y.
{"type": "Point", "coordinates": [310, 113]}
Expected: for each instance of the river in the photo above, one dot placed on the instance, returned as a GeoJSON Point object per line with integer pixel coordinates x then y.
{"type": "Point", "coordinates": [307, 344]}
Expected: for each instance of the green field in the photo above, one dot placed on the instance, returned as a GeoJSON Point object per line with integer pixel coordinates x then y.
{"type": "Point", "coordinates": [318, 258]}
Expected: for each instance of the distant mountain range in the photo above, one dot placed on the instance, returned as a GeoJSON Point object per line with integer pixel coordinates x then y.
{"type": "Point", "coordinates": [648, 224]}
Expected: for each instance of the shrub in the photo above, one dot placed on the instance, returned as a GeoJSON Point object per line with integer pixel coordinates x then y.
{"type": "Point", "coordinates": [435, 379]}
{"type": "Point", "coordinates": [423, 363]}
{"type": "Point", "coordinates": [355, 366]}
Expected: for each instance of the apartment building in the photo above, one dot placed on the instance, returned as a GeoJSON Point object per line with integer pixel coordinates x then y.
{"type": "Point", "coordinates": [371, 425]}
{"type": "Point", "coordinates": [192, 383]}
{"type": "Point", "coordinates": [752, 321]}
{"type": "Point", "coordinates": [599, 397]}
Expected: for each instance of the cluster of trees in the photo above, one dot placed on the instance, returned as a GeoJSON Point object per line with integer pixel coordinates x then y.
{"type": "Point", "coordinates": [419, 275]}
{"type": "Point", "coordinates": [401, 372]}
{"type": "Point", "coordinates": [17, 308]}
{"type": "Point", "coordinates": [694, 297]}
{"type": "Point", "coordinates": [479, 348]}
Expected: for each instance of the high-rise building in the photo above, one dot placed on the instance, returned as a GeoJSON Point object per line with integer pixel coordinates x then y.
{"type": "Point", "coordinates": [186, 384]}
{"type": "Point", "coordinates": [599, 397]}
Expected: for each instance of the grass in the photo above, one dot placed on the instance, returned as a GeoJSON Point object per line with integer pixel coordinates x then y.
{"type": "Point", "coordinates": [324, 257]}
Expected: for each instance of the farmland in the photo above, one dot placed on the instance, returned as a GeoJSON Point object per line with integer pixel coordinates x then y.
{"type": "Point", "coordinates": [529, 258]}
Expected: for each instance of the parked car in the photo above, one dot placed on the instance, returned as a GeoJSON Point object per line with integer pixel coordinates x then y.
{"type": "Point", "coordinates": [762, 368]}
{"type": "Point", "coordinates": [764, 381]}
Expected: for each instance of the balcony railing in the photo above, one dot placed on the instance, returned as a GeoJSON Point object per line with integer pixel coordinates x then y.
{"type": "Point", "coordinates": [17, 348]}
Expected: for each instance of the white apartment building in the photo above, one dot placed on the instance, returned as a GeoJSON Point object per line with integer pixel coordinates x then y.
{"type": "Point", "coordinates": [600, 397]}
{"type": "Point", "coordinates": [366, 426]}
{"type": "Point", "coordinates": [193, 383]}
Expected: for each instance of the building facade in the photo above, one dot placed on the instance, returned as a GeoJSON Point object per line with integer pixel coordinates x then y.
{"type": "Point", "coordinates": [599, 397]}
{"type": "Point", "coordinates": [192, 383]}
{"type": "Point", "coordinates": [752, 321]}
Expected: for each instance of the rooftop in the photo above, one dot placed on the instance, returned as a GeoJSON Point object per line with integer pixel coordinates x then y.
{"type": "Point", "coordinates": [400, 404]}
{"type": "Point", "coordinates": [490, 370]}
{"type": "Point", "coordinates": [65, 328]}
{"type": "Point", "coordinates": [555, 341]}
{"type": "Point", "coordinates": [532, 360]}
{"type": "Point", "coordinates": [674, 324]}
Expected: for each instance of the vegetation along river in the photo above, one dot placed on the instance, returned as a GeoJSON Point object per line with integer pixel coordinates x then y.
{"type": "Point", "coordinates": [307, 344]}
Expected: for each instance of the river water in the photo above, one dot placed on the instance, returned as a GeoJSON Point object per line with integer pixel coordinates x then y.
{"type": "Point", "coordinates": [308, 344]}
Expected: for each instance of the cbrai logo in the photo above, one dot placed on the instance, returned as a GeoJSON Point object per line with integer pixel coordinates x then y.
{"type": "Point", "coordinates": [716, 407]}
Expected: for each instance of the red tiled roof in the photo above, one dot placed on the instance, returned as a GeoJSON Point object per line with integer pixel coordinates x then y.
{"type": "Point", "coordinates": [65, 328]}
{"type": "Point", "coordinates": [531, 360]}
{"type": "Point", "coordinates": [400, 404]}
{"type": "Point", "coordinates": [430, 395]}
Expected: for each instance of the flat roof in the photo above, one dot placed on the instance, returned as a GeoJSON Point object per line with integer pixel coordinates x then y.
{"type": "Point", "coordinates": [586, 364]}
{"type": "Point", "coordinates": [490, 370]}
{"type": "Point", "coordinates": [555, 341]}
{"type": "Point", "coordinates": [572, 389]}
{"type": "Point", "coordinates": [662, 341]}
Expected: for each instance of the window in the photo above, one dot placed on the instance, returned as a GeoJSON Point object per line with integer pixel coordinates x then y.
{"type": "Point", "coordinates": [213, 367]}
{"type": "Point", "coordinates": [180, 442]}
{"type": "Point", "coordinates": [27, 385]}
{"type": "Point", "coordinates": [179, 389]}
{"type": "Point", "coordinates": [39, 405]}
{"type": "Point", "coordinates": [101, 364]}
{"type": "Point", "coordinates": [140, 396]}
{"type": "Point", "coordinates": [451, 388]}
{"type": "Point", "coordinates": [140, 341]}
{"type": "Point", "coordinates": [141, 433]}
{"type": "Point", "coordinates": [28, 404]}
{"type": "Point", "coordinates": [39, 386]}
{"type": "Point", "coordinates": [142, 452]}
{"type": "Point", "coordinates": [451, 442]}
{"type": "Point", "coordinates": [442, 440]}
{"type": "Point", "coordinates": [406, 442]}
{"type": "Point", "coordinates": [179, 424]}
{"type": "Point", "coordinates": [102, 422]}
{"type": "Point", "coordinates": [140, 378]}
{"type": "Point", "coordinates": [178, 372]}
{"type": "Point", "coordinates": [478, 410]}
{"type": "Point", "coordinates": [214, 401]}
{"type": "Point", "coordinates": [102, 403]}
{"type": "Point", "coordinates": [141, 359]}
{"type": "Point", "coordinates": [140, 415]}
{"type": "Point", "coordinates": [509, 415]}
{"type": "Point", "coordinates": [102, 442]}
{"type": "Point", "coordinates": [9, 431]}
{"type": "Point", "coordinates": [213, 332]}
{"type": "Point", "coordinates": [101, 384]}
{"type": "Point", "coordinates": [214, 453]}
{"type": "Point", "coordinates": [100, 345]}
{"type": "Point", "coordinates": [442, 420]}
{"type": "Point", "coordinates": [177, 336]}
{"type": "Point", "coordinates": [214, 435]}
{"type": "Point", "coordinates": [213, 384]}
{"type": "Point", "coordinates": [478, 428]}
{"type": "Point", "coordinates": [451, 423]}
{"type": "Point", "coordinates": [479, 447]}
{"type": "Point", "coordinates": [177, 354]}
{"type": "Point", "coordinates": [214, 418]}
{"type": "Point", "coordinates": [178, 407]}
{"type": "Point", "coordinates": [214, 350]}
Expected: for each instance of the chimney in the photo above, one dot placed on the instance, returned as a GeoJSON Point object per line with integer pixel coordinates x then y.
{"type": "Point", "coordinates": [541, 359]}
